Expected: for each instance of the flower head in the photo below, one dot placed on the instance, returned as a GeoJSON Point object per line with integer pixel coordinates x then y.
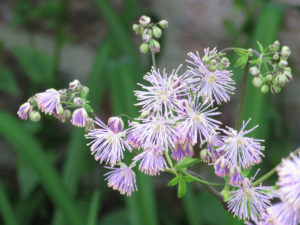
{"type": "Point", "coordinates": [79, 117]}
{"type": "Point", "coordinates": [289, 180]}
{"type": "Point", "coordinates": [248, 202]}
{"type": "Point", "coordinates": [152, 161]}
{"type": "Point", "coordinates": [122, 179]}
{"type": "Point", "coordinates": [106, 145]}
{"type": "Point", "coordinates": [24, 111]}
{"type": "Point", "coordinates": [48, 101]}
{"type": "Point", "coordinates": [212, 85]}
{"type": "Point", "coordinates": [283, 213]}
{"type": "Point", "coordinates": [181, 150]}
{"type": "Point", "coordinates": [239, 150]}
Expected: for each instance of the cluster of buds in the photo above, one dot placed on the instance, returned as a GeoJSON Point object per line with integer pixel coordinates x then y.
{"type": "Point", "coordinates": [215, 60]}
{"type": "Point", "coordinates": [271, 71]}
{"type": "Point", "coordinates": [149, 32]}
{"type": "Point", "coordinates": [68, 104]}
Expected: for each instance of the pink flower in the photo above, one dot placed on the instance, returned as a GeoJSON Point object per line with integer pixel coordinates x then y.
{"type": "Point", "coordinates": [48, 101]}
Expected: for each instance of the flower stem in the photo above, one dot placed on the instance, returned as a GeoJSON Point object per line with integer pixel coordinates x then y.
{"type": "Point", "coordinates": [198, 178]}
{"type": "Point", "coordinates": [242, 97]}
{"type": "Point", "coordinates": [272, 171]}
{"type": "Point", "coordinates": [169, 160]}
{"type": "Point", "coordinates": [153, 60]}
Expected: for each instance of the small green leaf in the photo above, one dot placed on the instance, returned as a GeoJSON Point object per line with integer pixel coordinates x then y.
{"type": "Point", "coordinates": [186, 162]}
{"type": "Point", "coordinates": [174, 181]}
{"type": "Point", "coordinates": [181, 188]}
{"type": "Point", "coordinates": [88, 108]}
{"type": "Point", "coordinates": [241, 52]}
{"type": "Point", "coordinates": [241, 62]}
{"type": "Point", "coordinates": [254, 61]}
{"type": "Point", "coordinates": [261, 48]}
{"type": "Point", "coordinates": [188, 179]}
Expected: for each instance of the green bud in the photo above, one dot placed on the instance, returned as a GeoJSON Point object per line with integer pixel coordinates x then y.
{"type": "Point", "coordinates": [288, 74]}
{"type": "Point", "coordinates": [220, 66]}
{"type": "Point", "coordinates": [74, 85]}
{"type": "Point", "coordinates": [257, 82]}
{"type": "Point", "coordinates": [136, 28]}
{"type": "Point", "coordinates": [204, 155]}
{"type": "Point", "coordinates": [275, 89]}
{"type": "Point", "coordinates": [163, 23]}
{"type": "Point", "coordinates": [144, 20]}
{"type": "Point", "coordinates": [213, 62]}
{"type": "Point", "coordinates": [250, 51]}
{"type": "Point", "coordinates": [144, 48]}
{"type": "Point", "coordinates": [283, 63]}
{"type": "Point", "coordinates": [225, 61]}
{"type": "Point", "coordinates": [212, 68]}
{"type": "Point", "coordinates": [154, 46]}
{"type": "Point", "coordinates": [285, 51]}
{"type": "Point", "coordinates": [85, 92]}
{"type": "Point", "coordinates": [156, 32]}
{"type": "Point", "coordinates": [276, 56]}
{"type": "Point", "coordinates": [66, 116]}
{"type": "Point", "coordinates": [265, 89]}
{"type": "Point", "coordinates": [281, 79]}
{"type": "Point", "coordinates": [60, 109]}
{"type": "Point", "coordinates": [269, 77]}
{"type": "Point", "coordinates": [276, 43]}
{"type": "Point", "coordinates": [147, 34]}
{"type": "Point", "coordinates": [254, 70]}
{"type": "Point", "coordinates": [205, 59]}
{"type": "Point", "coordinates": [34, 116]}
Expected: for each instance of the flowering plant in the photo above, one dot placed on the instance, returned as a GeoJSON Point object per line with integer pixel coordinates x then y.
{"type": "Point", "coordinates": [178, 112]}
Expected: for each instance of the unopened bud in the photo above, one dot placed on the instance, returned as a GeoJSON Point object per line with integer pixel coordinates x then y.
{"type": "Point", "coordinates": [154, 46]}
{"type": "Point", "coordinates": [275, 89]}
{"type": "Point", "coordinates": [144, 20]}
{"type": "Point", "coordinates": [283, 63]}
{"type": "Point", "coordinates": [269, 77]}
{"type": "Point", "coordinates": [85, 91]}
{"type": "Point", "coordinates": [285, 51]}
{"type": "Point", "coordinates": [74, 85]}
{"type": "Point", "coordinates": [204, 155]}
{"type": "Point", "coordinates": [163, 23]}
{"type": "Point", "coordinates": [205, 59]}
{"type": "Point", "coordinates": [225, 62]}
{"type": "Point", "coordinates": [78, 101]}
{"type": "Point", "coordinates": [287, 72]}
{"type": "Point", "coordinates": [136, 28]}
{"type": "Point", "coordinates": [59, 109]}
{"type": "Point", "coordinates": [254, 70]}
{"type": "Point", "coordinates": [115, 124]}
{"type": "Point", "coordinates": [281, 79]}
{"type": "Point", "coordinates": [89, 124]}
{"type": "Point", "coordinates": [66, 116]}
{"type": "Point", "coordinates": [34, 116]}
{"type": "Point", "coordinates": [147, 34]}
{"type": "Point", "coordinates": [276, 43]}
{"type": "Point", "coordinates": [276, 56]}
{"type": "Point", "coordinates": [144, 48]}
{"type": "Point", "coordinates": [156, 32]}
{"type": "Point", "coordinates": [257, 82]}
{"type": "Point", "coordinates": [265, 89]}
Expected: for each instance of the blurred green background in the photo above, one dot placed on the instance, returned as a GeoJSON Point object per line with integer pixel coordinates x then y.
{"type": "Point", "coordinates": [47, 175]}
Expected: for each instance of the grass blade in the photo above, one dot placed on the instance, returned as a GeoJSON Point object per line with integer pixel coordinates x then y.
{"type": "Point", "coordinates": [94, 207]}
{"type": "Point", "coordinates": [5, 208]}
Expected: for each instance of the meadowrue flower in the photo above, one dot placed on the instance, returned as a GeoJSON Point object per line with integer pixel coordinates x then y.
{"type": "Point", "coordinates": [163, 93]}
{"type": "Point", "coordinates": [283, 214]}
{"type": "Point", "coordinates": [48, 101]}
{"type": "Point", "coordinates": [197, 121]}
{"type": "Point", "coordinates": [264, 219]}
{"type": "Point", "coordinates": [74, 85]}
{"type": "Point", "coordinates": [236, 176]}
{"type": "Point", "coordinates": [106, 145]}
{"type": "Point", "coordinates": [289, 180]}
{"type": "Point", "coordinates": [152, 161]}
{"type": "Point", "coordinates": [181, 150]}
{"type": "Point", "coordinates": [122, 179]}
{"type": "Point", "coordinates": [221, 168]}
{"type": "Point", "coordinates": [248, 202]}
{"type": "Point", "coordinates": [241, 151]}
{"type": "Point", "coordinates": [79, 117]}
{"type": "Point", "coordinates": [154, 130]}
{"type": "Point", "coordinates": [24, 111]}
{"type": "Point", "coordinates": [131, 138]}
{"type": "Point", "coordinates": [213, 141]}
{"type": "Point", "coordinates": [213, 85]}
{"type": "Point", "coordinates": [116, 124]}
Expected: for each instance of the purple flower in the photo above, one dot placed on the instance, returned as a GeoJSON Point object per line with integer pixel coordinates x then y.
{"type": "Point", "coordinates": [79, 117]}
{"type": "Point", "coordinates": [107, 145]}
{"type": "Point", "coordinates": [163, 94]}
{"type": "Point", "coordinates": [212, 85]}
{"type": "Point", "coordinates": [248, 202]}
{"type": "Point", "coordinates": [116, 124]}
{"type": "Point", "coordinates": [289, 180]}
{"type": "Point", "coordinates": [152, 161]}
{"type": "Point", "coordinates": [236, 176]}
{"type": "Point", "coordinates": [154, 131]}
{"type": "Point", "coordinates": [24, 111]}
{"type": "Point", "coordinates": [283, 214]}
{"type": "Point", "coordinates": [122, 179]}
{"type": "Point", "coordinates": [48, 101]}
{"type": "Point", "coordinates": [181, 150]}
{"type": "Point", "coordinates": [241, 151]}
{"type": "Point", "coordinates": [212, 142]}
{"type": "Point", "coordinates": [221, 168]}
{"type": "Point", "coordinates": [197, 121]}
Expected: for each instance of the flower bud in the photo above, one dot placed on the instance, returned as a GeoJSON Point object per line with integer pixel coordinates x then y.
{"type": "Point", "coordinates": [283, 63]}
{"type": "Point", "coordinates": [85, 91]}
{"type": "Point", "coordinates": [74, 85]}
{"type": "Point", "coordinates": [136, 28]}
{"type": "Point", "coordinates": [257, 82]}
{"type": "Point", "coordinates": [276, 56]}
{"type": "Point", "coordinates": [78, 101]}
{"type": "Point", "coordinates": [254, 71]}
{"type": "Point", "coordinates": [147, 34]}
{"type": "Point", "coordinates": [225, 62]}
{"type": "Point", "coordinates": [59, 109]}
{"type": "Point", "coordinates": [285, 51]}
{"type": "Point", "coordinates": [79, 117]}
{"type": "Point", "coordinates": [269, 77]}
{"type": "Point", "coordinates": [144, 48]}
{"type": "Point", "coordinates": [154, 46]}
{"type": "Point", "coordinates": [287, 72]}
{"type": "Point", "coordinates": [144, 20]}
{"type": "Point", "coordinates": [221, 169]}
{"type": "Point", "coordinates": [236, 176]}
{"type": "Point", "coordinates": [204, 155]}
{"type": "Point", "coordinates": [34, 116]}
{"type": "Point", "coordinates": [265, 89]}
{"type": "Point", "coordinates": [156, 32]}
{"type": "Point", "coordinates": [163, 23]}
{"type": "Point", "coordinates": [116, 124]}
{"type": "Point", "coordinates": [24, 111]}
{"type": "Point", "coordinates": [213, 62]}
{"type": "Point", "coordinates": [276, 43]}
{"type": "Point", "coordinates": [205, 59]}
{"type": "Point", "coordinates": [275, 89]}
{"type": "Point", "coordinates": [66, 116]}
{"type": "Point", "coordinates": [281, 79]}
{"type": "Point", "coordinates": [90, 124]}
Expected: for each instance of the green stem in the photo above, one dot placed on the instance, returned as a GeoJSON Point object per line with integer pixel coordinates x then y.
{"type": "Point", "coordinates": [153, 60]}
{"type": "Point", "coordinates": [242, 97]}
{"type": "Point", "coordinates": [197, 178]}
{"type": "Point", "coordinates": [169, 160]}
{"type": "Point", "coordinates": [94, 207]}
{"type": "Point", "coordinates": [272, 171]}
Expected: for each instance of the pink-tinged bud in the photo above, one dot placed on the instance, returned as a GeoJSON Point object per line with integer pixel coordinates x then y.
{"type": "Point", "coordinates": [156, 32]}
{"type": "Point", "coordinates": [74, 85]}
{"type": "Point", "coordinates": [221, 168]}
{"type": "Point", "coordinates": [163, 23]}
{"type": "Point", "coordinates": [281, 79]}
{"type": "Point", "coordinates": [205, 155]}
{"type": "Point", "coordinates": [254, 71]}
{"type": "Point", "coordinates": [287, 72]}
{"type": "Point", "coordinates": [79, 117]}
{"type": "Point", "coordinates": [257, 82]}
{"type": "Point", "coordinates": [144, 20]}
{"type": "Point", "coordinates": [90, 124]}
{"type": "Point", "coordinates": [264, 89]}
{"type": "Point", "coordinates": [275, 89]}
{"type": "Point", "coordinates": [35, 116]}
{"type": "Point", "coordinates": [154, 46]}
{"type": "Point", "coordinates": [59, 110]}
{"type": "Point", "coordinates": [285, 51]}
{"type": "Point", "coordinates": [24, 111]}
{"type": "Point", "coordinates": [144, 48]}
{"type": "Point", "coordinates": [136, 28]}
{"type": "Point", "coordinates": [66, 116]}
{"type": "Point", "coordinates": [78, 101]}
{"type": "Point", "coordinates": [147, 35]}
{"type": "Point", "coordinates": [116, 124]}
{"type": "Point", "coordinates": [283, 63]}
{"type": "Point", "coordinates": [236, 176]}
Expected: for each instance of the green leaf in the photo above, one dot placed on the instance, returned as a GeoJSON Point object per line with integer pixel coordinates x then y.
{"type": "Point", "coordinates": [188, 179]}
{"type": "Point", "coordinates": [241, 52]}
{"type": "Point", "coordinates": [181, 188]}
{"type": "Point", "coordinates": [8, 83]}
{"type": "Point", "coordinates": [254, 61]}
{"type": "Point", "coordinates": [6, 209]}
{"type": "Point", "coordinates": [187, 162]}
{"type": "Point", "coordinates": [36, 64]}
{"type": "Point", "coordinates": [174, 181]}
{"type": "Point", "coordinates": [261, 48]}
{"type": "Point", "coordinates": [241, 62]}
{"type": "Point", "coordinates": [88, 108]}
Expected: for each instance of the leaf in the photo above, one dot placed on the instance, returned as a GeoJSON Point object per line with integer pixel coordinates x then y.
{"type": "Point", "coordinates": [8, 83]}
{"type": "Point", "coordinates": [88, 108]}
{"type": "Point", "coordinates": [36, 64]}
{"type": "Point", "coordinates": [181, 188]}
{"type": "Point", "coordinates": [241, 62]}
{"type": "Point", "coordinates": [261, 48]}
{"type": "Point", "coordinates": [188, 179]}
{"type": "Point", "coordinates": [174, 181]}
{"type": "Point", "coordinates": [241, 52]}
{"type": "Point", "coordinates": [187, 162]}
{"type": "Point", "coordinates": [254, 61]}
